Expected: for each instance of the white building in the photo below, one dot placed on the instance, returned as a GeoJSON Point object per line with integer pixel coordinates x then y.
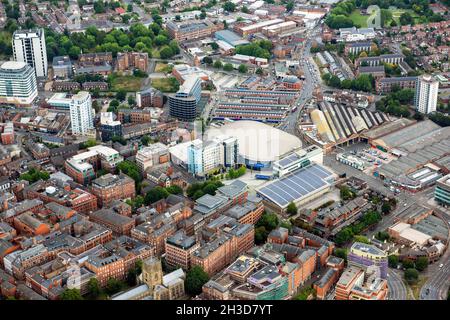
{"type": "Point", "coordinates": [154, 154]}
{"type": "Point", "coordinates": [29, 46]}
{"type": "Point", "coordinates": [81, 113]}
{"type": "Point", "coordinates": [426, 96]}
{"type": "Point", "coordinates": [17, 83]}
{"type": "Point", "coordinates": [204, 157]}
{"type": "Point", "coordinates": [297, 159]}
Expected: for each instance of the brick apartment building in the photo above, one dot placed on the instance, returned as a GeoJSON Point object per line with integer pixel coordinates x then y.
{"type": "Point", "coordinates": [134, 116]}
{"type": "Point", "coordinates": [130, 60]}
{"type": "Point", "coordinates": [109, 187]}
{"type": "Point", "coordinates": [149, 98]}
{"type": "Point", "coordinates": [119, 224]}
{"type": "Point", "coordinates": [74, 198]}
{"type": "Point", "coordinates": [179, 249]}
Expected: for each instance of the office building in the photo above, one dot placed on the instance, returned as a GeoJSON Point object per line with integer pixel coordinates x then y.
{"type": "Point", "coordinates": [149, 98]}
{"type": "Point", "coordinates": [357, 284]}
{"type": "Point", "coordinates": [81, 113]}
{"type": "Point", "coordinates": [204, 157]}
{"type": "Point", "coordinates": [442, 191]}
{"type": "Point", "coordinates": [183, 104]}
{"type": "Point", "coordinates": [109, 187]}
{"type": "Point", "coordinates": [179, 249]}
{"type": "Point", "coordinates": [194, 29]}
{"type": "Point", "coordinates": [109, 127]}
{"type": "Point", "coordinates": [17, 84]}
{"type": "Point", "coordinates": [154, 154]}
{"type": "Point", "coordinates": [425, 100]}
{"type": "Point", "coordinates": [365, 255]}
{"type": "Point", "coordinates": [29, 47]}
{"type": "Point", "coordinates": [62, 67]}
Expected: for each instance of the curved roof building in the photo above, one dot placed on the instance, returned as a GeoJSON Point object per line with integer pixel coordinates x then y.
{"type": "Point", "coordinates": [258, 142]}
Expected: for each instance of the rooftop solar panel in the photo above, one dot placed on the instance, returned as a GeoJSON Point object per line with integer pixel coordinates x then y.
{"type": "Point", "coordinates": [299, 184]}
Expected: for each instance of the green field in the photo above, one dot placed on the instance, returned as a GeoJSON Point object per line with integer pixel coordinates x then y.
{"type": "Point", "coordinates": [127, 83]}
{"type": "Point", "coordinates": [166, 84]}
{"type": "Point", "coordinates": [361, 20]}
{"type": "Point", "coordinates": [163, 67]}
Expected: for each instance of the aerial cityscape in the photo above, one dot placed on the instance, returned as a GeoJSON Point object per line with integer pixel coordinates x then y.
{"type": "Point", "coordinates": [224, 150]}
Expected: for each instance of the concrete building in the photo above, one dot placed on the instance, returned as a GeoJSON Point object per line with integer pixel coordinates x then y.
{"type": "Point", "coordinates": [203, 157]}
{"type": "Point", "coordinates": [81, 113]}
{"type": "Point", "coordinates": [154, 154]}
{"type": "Point", "coordinates": [366, 255]}
{"type": "Point", "coordinates": [82, 167]}
{"type": "Point", "coordinates": [109, 127]}
{"type": "Point", "coordinates": [442, 190]}
{"type": "Point", "coordinates": [29, 47]}
{"type": "Point", "coordinates": [18, 84]}
{"type": "Point", "coordinates": [109, 187]}
{"type": "Point", "coordinates": [183, 104]}
{"type": "Point", "coordinates": [297, 159]}
{"type": "Point", "coordinates": [62, 67]}
{"type": "Point", "coordinates": [425, 100]}
{"type": "Point", "coordinates": [194, 29]}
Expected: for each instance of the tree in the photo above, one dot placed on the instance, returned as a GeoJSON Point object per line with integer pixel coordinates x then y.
{"type": "Point", "coordinates": [393, 261]}
{"type": "Point", "coordinates": [113, 286]}
{"type": "Point", "coordinates": [341, 253]}
{"type": "Point", "coordinates": [175, 189]}
{"type": "Point", "coordinates": [421, 263]}
{"type": "Point", "coordinates": [228, 67]}
{"type": "Point", "coordinates": [121, 95]}
{"type": "Point", "coordinates": [244, 9]}
{"type": "Point", "coordinates": [155, 194]}
{"type": "Point", "coordinates": [289, 6]}
{"type": "Point", "coordinates": [214, 46]}
{"type": "Point", "coordinates": [411, 275]}
{"type": "Point", "coordinates": [195, 279]}
{"type": "Point", "coordinates": [407, 263]}
{"type": "Point", "coordinates": [94, 287]}
{"type": "Point", "coordinates": [260, 235]}
{"type": "Point", "coordinates": [166, 52]}
{"type": "Point", "coordinates": [243, 68]}
{"type": "Point", "coordinates": [99, 6]}
{"type": "Point", "coordinates": [131, 100]}
{"type": "Point", "coordinates": [268, 220]}
{"type": "Point", "coordinates": [362, 239]}
{"type": "Point", "coordinates": [346, 193]}
{"type": "Point", "coordinates": [386, 208]}
{"type": "Point", "coordinates": [259, 71]}
{"type": "Point", "coordinates": [71, 294]}
{"type": "Point", "coordinates": [217, 64]}
{"type": "Point", "coordinates": [145, 140]}
{"type": "Point", "coordinates": [291, 209]}
{"type": "Point", "coordinates": [207, 60]}
{"type": "Point", "coordinates": [229, 6]}
{"type": "Point", "coordinates": [406, 19]}
{"type": "Point", "coordinates": [34, 175]}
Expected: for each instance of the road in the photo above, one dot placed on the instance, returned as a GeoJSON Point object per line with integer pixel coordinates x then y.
{"type": "Point", "coordinates": [397, 288]}
{"type": "Point", "coordinates": [312, 78]}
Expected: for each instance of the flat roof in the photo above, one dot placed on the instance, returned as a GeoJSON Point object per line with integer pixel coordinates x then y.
{"type": "Point", "coordinates": [299, 184]}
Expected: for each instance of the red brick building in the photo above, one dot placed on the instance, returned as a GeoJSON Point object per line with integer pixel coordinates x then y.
{"type": "Point", "coordinates": [109, 187]}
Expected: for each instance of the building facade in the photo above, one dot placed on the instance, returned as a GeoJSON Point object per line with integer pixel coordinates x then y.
{"type": "Point", "coordinates": [18, 84]}
{"type": "Point", "coordinates": [425, 100]}
{"type": "Point", "coordinates": [29, 47]}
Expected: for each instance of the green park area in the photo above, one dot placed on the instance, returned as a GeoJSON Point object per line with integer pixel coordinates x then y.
{"type": "Point", "coordinates": [359, 19]}
{"type": "Point", "coordinates": [170, 84]}
{"type": "Point", "coordinates": [126, 83]}
{"type": "Point", "coordinates": [163, 67]}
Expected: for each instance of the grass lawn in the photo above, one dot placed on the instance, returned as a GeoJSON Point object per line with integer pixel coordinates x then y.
{"type": "Point", "coordinates": [416, 287]}
{"type": "Point", "coordinates": [155, 53]}
{"type": "Point", "coordinates": [358, 18]}
{"type": "Point", "coordinates": [361, 20]}
{"type": "Point", "coordinates": [166, 84]}
{"type": "Point", "coordinates": [163, 67]}
{"type": "Point", "coordinates": [127, 83]}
